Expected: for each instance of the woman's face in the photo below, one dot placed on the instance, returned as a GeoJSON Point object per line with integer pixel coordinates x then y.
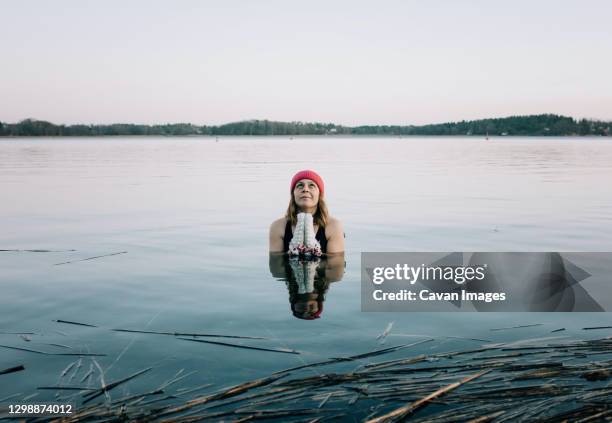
{"type": "Point", "coordinates": [306, 194]}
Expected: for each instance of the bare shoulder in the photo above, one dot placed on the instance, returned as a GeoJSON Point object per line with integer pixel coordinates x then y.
{"type": "Point", "coordinates": [334, 228]}
{"type": "Point", "coordinates": [277, 232]}
{"type": "Point", "coordinates": [334, 232]}
{"type": "Point", "coordinates": [278, 226]}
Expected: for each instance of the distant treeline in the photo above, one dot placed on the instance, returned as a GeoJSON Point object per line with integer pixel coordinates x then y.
{"type": "Point", "coordinates": [535, 125]}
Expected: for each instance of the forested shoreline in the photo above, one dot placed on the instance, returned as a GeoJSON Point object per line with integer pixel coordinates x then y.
{"type": "Point", "coordinates": [533, 125]}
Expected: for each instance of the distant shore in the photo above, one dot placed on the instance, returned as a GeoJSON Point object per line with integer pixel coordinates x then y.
{"type": "Point", "coordinates": [532, 125]}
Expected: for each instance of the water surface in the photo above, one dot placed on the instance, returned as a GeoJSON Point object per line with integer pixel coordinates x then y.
{"type": "Point", "coordinates": [193, 216]}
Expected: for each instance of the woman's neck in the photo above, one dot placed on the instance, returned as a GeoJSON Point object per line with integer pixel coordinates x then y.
{"type": "Point", "coordinates": [311, 210]}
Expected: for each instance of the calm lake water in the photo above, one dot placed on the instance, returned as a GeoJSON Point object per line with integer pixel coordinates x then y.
{"type": "Point", "coordinates": [192, 215]}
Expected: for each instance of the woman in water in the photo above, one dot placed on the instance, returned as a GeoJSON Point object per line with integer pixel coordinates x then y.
{"type": "Point", "coordinates": [307, 228]}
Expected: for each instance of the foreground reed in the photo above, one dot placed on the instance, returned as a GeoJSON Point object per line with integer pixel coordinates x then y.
{"type": "Point", "coordinates": [519, 381]}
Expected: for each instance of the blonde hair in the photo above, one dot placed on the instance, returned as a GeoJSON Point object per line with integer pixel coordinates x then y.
{"type": "Point", "coordinates": [320, 217]}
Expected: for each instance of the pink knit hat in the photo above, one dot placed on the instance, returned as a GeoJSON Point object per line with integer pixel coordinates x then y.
{"type": "Point", "coordinates": [308, 316]}
{"type": "Point", "coordinates": [308, 174]}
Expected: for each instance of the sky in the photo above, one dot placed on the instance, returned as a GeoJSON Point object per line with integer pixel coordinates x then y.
{"type": "Point", "coordinates": [346, 62]}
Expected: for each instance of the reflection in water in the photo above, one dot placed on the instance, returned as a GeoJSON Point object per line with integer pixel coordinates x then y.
{"type": "Point", "coordinates": [307, 281]}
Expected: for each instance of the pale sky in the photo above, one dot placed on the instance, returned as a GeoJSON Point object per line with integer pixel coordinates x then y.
{"type": "Point", "coordinates": [347, 62]}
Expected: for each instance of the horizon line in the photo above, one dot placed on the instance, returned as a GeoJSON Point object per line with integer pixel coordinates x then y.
{"type": "Point", "coordinates": [301, 121]}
